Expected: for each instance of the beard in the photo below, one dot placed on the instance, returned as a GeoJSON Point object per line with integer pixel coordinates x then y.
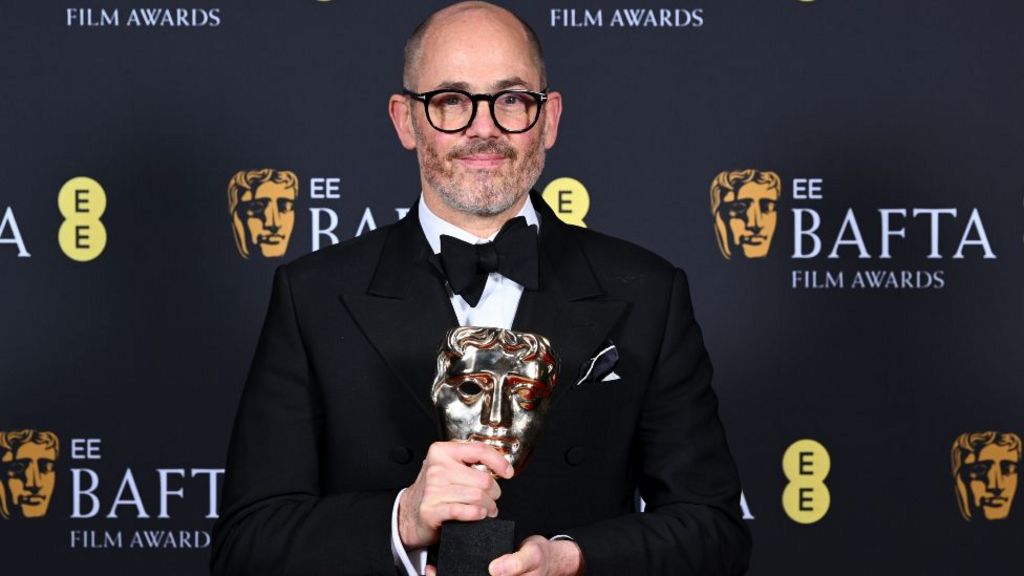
{"type": "Point", "coordinates": [481, 192]}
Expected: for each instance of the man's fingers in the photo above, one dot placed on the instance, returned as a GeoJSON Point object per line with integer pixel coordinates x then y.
{"type": "Point", "coordinates": [470, 453]}
{"type": "Point", "coordinates": [527, 559]}
{"type": "Point", "coordinates": [465, 512]}
{"type": "Point", "coordinates": [440, 502]}
{"type": "Point", "coordinates": [471, 477]}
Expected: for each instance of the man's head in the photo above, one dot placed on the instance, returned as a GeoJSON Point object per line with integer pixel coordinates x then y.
{"type": "Point", "coordinates": [985, 470]}
{"type": "Point", "coordinates": [27, 472]}
{"type": "Point", "coordinates": [492, 386]}
{"type": "Point", "coordinates": [479, 48]}
{"type": "Point", "coordinates": [262, 208]}
{"type": "Point", "coordinates": [743, 205]}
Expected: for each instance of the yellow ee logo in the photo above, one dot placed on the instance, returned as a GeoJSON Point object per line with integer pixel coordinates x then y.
{"type": "Point", "coordinates": [82, 202]}
{"type": "Point", "coordinates": [806, 499]}
{"type": "Point", "coordinates": [569, 199]}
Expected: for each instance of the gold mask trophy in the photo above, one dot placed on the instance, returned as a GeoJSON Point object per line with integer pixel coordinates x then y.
{"type": "Point", "coordinates": [492, 386]}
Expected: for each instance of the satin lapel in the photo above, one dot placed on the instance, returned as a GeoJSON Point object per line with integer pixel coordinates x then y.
{"type": "Point", "coordinates": [569, 306]}
{"type": "Point", "coordinates": [406, 310]}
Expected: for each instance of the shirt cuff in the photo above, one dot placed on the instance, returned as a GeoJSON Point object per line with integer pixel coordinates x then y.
{"type": "Point", "coordinates": [414, 561]}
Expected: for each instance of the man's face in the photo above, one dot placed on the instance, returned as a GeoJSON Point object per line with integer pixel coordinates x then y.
{"type": "Point", "coordinates": [30, 477]}
{"type": "Point", "coordinates": [488, 396]}
{"type": "Point", "coordinates": [269, 216]}
{"type": "Point", "coordinates": [751, 218]}
{"type": "Point", "coordinates": [482, 170]}
{"type": "Point", "coordinates": [991, 477]}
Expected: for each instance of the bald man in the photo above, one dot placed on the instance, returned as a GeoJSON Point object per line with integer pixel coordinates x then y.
{"type": "Point", "coordinates": [335, 465]}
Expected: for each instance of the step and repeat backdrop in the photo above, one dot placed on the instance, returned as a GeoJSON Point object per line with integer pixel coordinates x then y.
{"type": "Point", "coordinates": [842, 181]}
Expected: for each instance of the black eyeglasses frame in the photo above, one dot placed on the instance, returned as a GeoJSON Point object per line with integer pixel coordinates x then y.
{"type": "Point", "coordinates": [424, 97]}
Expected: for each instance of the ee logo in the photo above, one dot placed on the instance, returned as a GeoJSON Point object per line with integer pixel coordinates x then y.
{"type": "Point", "coordinates": [569, 199]}
{"type": "Point", "coordinates": [82, 202]}
{"type": "Point", "coordinates": [806, 499]}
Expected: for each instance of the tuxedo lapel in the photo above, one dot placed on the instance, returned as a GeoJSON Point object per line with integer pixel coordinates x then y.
{"type": "Point", "coordinates": [569, 307]}
{"type": "Point", "coordinates": [406, 309]}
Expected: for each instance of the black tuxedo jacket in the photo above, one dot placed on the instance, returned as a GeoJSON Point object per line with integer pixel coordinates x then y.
{"type": "Point", "coordinates": [336, 417]}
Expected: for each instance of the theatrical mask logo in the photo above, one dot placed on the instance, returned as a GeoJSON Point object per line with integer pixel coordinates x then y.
{"type": "Point", "coordinates": [493, 386]}
{"type": "Point", "coordinates": [27, 474]}
{"type": "Point", "coordinates": [985, 471]}
{"type": "Point", "coordinates": [262, 208]}
{"type": "Point", "coordinates": [743, 205]}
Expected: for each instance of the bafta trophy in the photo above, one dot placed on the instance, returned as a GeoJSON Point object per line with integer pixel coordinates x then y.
{"type": "Point", "coordinates": [492, 386]}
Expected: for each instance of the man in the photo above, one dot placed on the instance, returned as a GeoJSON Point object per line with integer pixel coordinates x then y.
{"type": "Point", "coordinates": [743, 206]}
{"type": "Point", "coordinates": [262, 208]}
{"type": "Point", "coordinates": [26, 460]}
{"type": "Point", "coordinates": [985, 468]}
{"type": "Point", "coordinates": [333, 467]}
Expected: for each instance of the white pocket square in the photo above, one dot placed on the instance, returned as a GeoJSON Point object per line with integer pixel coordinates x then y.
{"type": "Point", "coordinates": [599, 368]}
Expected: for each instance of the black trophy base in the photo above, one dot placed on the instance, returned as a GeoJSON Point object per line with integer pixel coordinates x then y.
{"type": "Point", "coordinates": [467, 548]}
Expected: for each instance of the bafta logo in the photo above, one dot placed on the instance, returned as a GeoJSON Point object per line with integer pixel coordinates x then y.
{"type": "Point", "coordinates": [262, 208]}
{"type": "Point", "coordinates": [27, 464]}
{"type": "Point", "coordinates": [492, 386]}
{"type": "Point", "coordinates": [743, 205]}
{"type": "Point", "coordinates": [985, 471]}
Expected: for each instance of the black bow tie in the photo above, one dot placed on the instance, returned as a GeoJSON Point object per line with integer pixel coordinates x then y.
{"type": "Point", "coordinates": [513, 254]}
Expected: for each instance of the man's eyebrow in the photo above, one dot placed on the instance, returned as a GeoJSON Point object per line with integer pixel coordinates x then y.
{"type": "Point", "coordinates": [452, 84]}
{"type": "Point", "coordinates": [508, 83]}
{"type": "Point", "coordinates": [512, 82]}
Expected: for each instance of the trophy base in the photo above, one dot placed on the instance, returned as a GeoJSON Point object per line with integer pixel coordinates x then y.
{"type": "Point", "coordinates": [467, 548]}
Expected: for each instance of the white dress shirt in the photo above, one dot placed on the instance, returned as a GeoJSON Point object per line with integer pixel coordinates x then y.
{"type": "Point", "coordinates": [496, 309]}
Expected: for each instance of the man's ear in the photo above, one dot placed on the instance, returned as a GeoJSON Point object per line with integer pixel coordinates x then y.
{"type": "Point", "coordinates": [401, 117]}
{"type": "Point", "coordinates": [552, 114]}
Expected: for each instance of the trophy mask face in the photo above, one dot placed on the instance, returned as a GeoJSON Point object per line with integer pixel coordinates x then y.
{"type": "Point", "coordinates": [493, 386]}
{"type": "Point", "coordinates": [30, 478]}
{"type": "Point", "coordinates": [991, 478]}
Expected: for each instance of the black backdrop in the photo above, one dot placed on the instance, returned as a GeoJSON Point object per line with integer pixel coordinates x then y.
{"type": "Point", "coordinates": [893, 105]}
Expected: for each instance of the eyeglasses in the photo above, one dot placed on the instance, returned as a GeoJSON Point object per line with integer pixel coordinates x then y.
{"type": "Point", "coordinates": [449, 110]}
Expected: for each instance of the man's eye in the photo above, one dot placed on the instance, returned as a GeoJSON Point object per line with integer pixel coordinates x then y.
{"type": "Point", "coordinates": [1009, 468]}
{"type": "Point", "coordinates": [469, 388]}
{"type": "Point", "coordinates": [285, 205]}
{"type": "Point", "coordinates": [18, 467]}
{"type": "Point", "coordinates": [767, 206]}
{"type": "Point", "coordinates": [46, 466]}
{"type": "Point", "coordinates": [513, 99]}
{"type": "Point", "coordinates": [452, 100]}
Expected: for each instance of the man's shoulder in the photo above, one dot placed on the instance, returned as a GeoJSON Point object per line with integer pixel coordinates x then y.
{"type": "Point", "coordinates": [609, 254]}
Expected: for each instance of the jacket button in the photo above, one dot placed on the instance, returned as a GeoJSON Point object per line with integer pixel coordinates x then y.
{"type": "Point", "coordinates": [574, 456]}
{"type": "Point", "coordinates": [401, 455]}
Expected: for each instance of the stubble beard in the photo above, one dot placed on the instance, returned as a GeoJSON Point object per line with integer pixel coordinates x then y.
{"type": "Point", "coordinates": [482, 192]}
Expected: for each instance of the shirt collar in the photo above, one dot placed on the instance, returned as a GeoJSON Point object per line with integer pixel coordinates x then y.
{"type": "Point", "coordinates": [434, 227]}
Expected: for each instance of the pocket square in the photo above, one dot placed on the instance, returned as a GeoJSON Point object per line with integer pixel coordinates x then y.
{"type": "Point", "coordinates": [599, 368]}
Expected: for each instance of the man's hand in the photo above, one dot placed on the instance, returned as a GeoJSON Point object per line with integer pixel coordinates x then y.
{"type": "Point", "coordinates": [447, 488]}
{"type": "Point", "coordinates": [539, 556]}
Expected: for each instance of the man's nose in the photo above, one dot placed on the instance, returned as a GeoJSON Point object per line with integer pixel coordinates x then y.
{"type": "Point", "coordinates": [483, 124]}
